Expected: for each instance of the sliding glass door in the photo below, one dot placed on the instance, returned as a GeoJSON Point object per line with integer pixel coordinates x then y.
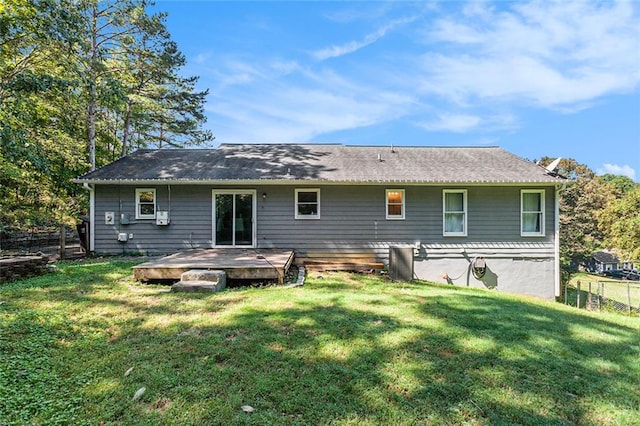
{"type": "Point", "coordinates": [234, 218]}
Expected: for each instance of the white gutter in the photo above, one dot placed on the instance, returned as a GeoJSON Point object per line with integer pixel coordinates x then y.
{"type": "Point", "coordinates": [556, 241]}
{"type": "Point", "coordinates": [315, 182]}
{"type": "Point", "coordinates": [92, 222]}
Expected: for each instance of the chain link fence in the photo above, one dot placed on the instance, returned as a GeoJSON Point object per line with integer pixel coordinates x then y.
{"type": "Point", "coordinates": [604, 295]}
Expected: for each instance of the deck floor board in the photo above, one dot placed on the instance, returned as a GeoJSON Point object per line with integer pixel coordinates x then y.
{"type": "Point", "coordinates": [237, 263]}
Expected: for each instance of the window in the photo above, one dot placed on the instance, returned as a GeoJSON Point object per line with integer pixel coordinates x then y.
{"type": "Point", "coordinates": [454, 212]}
{"type": "Point", "coordinates": [395, 203]}
{"type": "Point", "coordinates": [532, 213]}
{"type": "Point", "coordinates": [307, 204]}
{"type": "Point", "coordinates": [145, 203]}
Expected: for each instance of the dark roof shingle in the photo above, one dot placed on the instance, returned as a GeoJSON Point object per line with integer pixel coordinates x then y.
{"type": "Point", "coordinates": [605, 257]}
{"type": "Point", "coordinates": [330, 163]}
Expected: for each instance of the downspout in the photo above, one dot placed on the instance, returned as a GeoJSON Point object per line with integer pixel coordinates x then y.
{"type": "Point", "coordinates": [92, 209]}
{"type": "Point", "coordinates": [556, 241]}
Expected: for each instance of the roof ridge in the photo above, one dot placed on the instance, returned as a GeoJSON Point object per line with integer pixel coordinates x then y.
{"type": "Point", "coordinates": [320, 162]}
{"type": "Point", "coordinates": [352, 145]}
{"type": "Point", "coordinates": [282, 143]}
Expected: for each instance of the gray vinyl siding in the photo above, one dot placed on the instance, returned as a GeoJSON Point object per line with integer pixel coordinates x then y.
{"type": "Point", "coordinates": [352, 218]}
{"type": "Point", "coordinates": [190, 216]}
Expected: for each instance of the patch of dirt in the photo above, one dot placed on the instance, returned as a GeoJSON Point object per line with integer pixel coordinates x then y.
{"type": "Point", "coordinates": [161, 404]}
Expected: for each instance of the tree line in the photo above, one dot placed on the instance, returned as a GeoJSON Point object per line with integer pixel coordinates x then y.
{"type": "Point", "coordinates": [83, 82]}
{"type": "Point", "coordinates": [596, 213]}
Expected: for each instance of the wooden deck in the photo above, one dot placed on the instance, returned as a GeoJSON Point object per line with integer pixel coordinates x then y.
{"type": "Point", "coordinates": [253, 264]}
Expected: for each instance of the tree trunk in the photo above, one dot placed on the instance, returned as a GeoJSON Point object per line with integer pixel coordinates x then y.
{"type": "Point", "coordinates": [125, 132]}
{"type": "Point", "coordinates": [93, 93]}
{"type": "Point", "coordinates": [91, 127]}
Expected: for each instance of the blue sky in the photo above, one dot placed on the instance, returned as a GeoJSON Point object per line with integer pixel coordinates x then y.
{"type": "Point", "coordinates": [559, 79]}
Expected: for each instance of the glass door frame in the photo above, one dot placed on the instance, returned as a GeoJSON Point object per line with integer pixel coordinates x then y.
{"type": "Point", "coordinates": [254, 210]}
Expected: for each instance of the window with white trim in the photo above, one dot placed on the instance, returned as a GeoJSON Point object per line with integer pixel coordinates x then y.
{"type": "Point", "coordinates": [307, 204]}
{"type": "Point", "coordinates": [145, 203]}
{"type": "Point", "coordinates": [395, 203]}
{"type": "Point", "coordinates": [532, 212]}
{"type": "Point", "coordinates": [454, 212]}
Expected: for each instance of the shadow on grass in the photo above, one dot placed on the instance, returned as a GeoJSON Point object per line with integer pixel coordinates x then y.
{"type": "Point", "coordinates": [330, 352]}
{"type": "Point", "coordinates": [528, 364]}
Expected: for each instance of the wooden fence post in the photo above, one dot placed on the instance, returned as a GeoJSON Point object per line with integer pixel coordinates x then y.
{"type": "Point", "coordinates": [578, 295]}
{"type": "Point", "coordinates": [63, 242]}
{"type": "Point", "coordinates": [589, 301]}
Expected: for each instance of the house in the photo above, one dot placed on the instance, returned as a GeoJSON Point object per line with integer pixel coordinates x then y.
{"type": "Point", "coordinates": [603, 261]}
{"type": "Point", "coordinates": [473, 216]}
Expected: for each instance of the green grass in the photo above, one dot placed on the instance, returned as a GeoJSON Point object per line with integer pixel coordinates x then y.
{"type": "Point", "coordinates": [342, 350]}
{"type": "Point", "coordinates": [614, 290]}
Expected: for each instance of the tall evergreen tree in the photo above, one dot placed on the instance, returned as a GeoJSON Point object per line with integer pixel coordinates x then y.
{"type": "Point", "coordinates": [131, 68]}
{"type": "Point", "coordinates": [83, 76]}
{"type": "Point", "coordinates": [162, 108]}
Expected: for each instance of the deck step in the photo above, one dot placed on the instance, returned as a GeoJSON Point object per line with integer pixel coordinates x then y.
{"type": "Point", "coordinates": [213, 276]}
{"type": "Point", "coordinates": [318, 266]}
{"type": "Point", "coordinates": [201, 280]}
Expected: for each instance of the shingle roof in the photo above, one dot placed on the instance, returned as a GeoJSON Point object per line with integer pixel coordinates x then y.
{"type": "Point", "coordinates": [605, 257]}
{"type": "Point", "coordinates": [330, 163]}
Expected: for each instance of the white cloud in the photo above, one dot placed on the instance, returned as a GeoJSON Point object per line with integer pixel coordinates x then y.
{"type": "Point", "coordinates": [202, 58]}
{"type": "Point", "coordinates": [458, 123]}
{"type": "Point", "coordinates": [353, 46]}
{"type": "Point", "coordinates": [229, 72]}
{"type": "Point", "coordinates": [300, 107]}
{"type": "Point", "coordinates": [615, 169]}
{"type": "Point", "coordinates": [488, 59]}
{"type": "Point", "coordinates": [551, 54]}
{"type": "Point", "coordinates": [463, 123]}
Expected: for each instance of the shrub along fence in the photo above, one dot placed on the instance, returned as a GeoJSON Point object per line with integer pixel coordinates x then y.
{"type": "Point", "coordinates": [601, 295]}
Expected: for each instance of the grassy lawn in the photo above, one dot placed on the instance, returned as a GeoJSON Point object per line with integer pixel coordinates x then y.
{"type": "Point", "coordinates": [342, 350]}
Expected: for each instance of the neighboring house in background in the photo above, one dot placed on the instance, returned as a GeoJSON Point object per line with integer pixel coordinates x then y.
{"type": "Point", "coordinates": [603, 261]}
{"type": "Point", "coordinates": [451, 204]}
